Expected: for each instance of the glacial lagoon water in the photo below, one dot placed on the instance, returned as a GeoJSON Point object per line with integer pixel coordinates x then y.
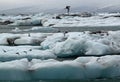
{"type": "Point", "coordinates": [97, 80]}
{"type": "Point", "coordinates": [28, 29]}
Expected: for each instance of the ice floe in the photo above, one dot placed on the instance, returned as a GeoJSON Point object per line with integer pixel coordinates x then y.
{"type": "Point", "coordinates": [80, 68]}
{"type": "Point", "coordinates": [100, 19]}
{"type": "Point", "coordinates": [67, 44]}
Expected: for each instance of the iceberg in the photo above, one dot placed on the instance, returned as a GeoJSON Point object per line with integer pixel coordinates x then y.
{"type": "Point", "coordinates": [65, 44]}
{"type": "Point", "coordinates": [14, 70]}
{"type": "Point", "coordinates": [82, 68]}
{"type": "Point", "coordinates": [49, 20]}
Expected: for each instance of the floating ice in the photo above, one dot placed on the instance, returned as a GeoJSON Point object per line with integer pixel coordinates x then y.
{"type": "Point", "coordinates": [80, 68]}
{"type": "Point", "coordinates": [29, 38]}
{"type": "Point", "coordinates": [73, 47]}
{"type": "Point", "coordinates": [29, 52]}
{"type": "Point", "coordinates": [76, 44]}
{"type": "Point", "coordinates": [14, 70]}
{"type": "Point", "coordinates": [16, 30]}
{"type": "Point", "coordinates": [68, 44]}
{"type": "Point", "coordinates": [108, 19]}
{"type": "Point", "coordinates": [50, 41]}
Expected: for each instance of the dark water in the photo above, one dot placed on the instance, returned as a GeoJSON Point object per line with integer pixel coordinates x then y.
{"type": "Point", "coordinates": [88, 28]}
{"type": "Point", "coordinates": [6, 29]}
{"type": "Point", "coordinates": [104, 80]}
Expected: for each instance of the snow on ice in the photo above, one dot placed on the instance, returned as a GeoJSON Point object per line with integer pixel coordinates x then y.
{"type": "Point", "coordinates": [34, 56]}
{"type": "Point", "coordinates": [80, 68]}
{"type": "Point", "coordinates": [103, 19]}
{"type": "Point", "coordinates": [65, 45]}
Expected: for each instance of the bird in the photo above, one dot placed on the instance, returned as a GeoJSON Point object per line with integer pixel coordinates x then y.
{"type": "Point", "coordinates": [65, 33]}
{"type": "Point", "coordinates": [58, 31]}
{"type": "Point", "coordinates": [68, 9]}
{"type": "Point", "coordinates": [25, 52]}
{"type": "Point", "coordinates": [18, 53]}
{"type": "Point", "coordinates": [29, 35]}
{"type": "Point", "coordinates": [30, 49]}
{"type": "Point", "coordinates": [4, 50]}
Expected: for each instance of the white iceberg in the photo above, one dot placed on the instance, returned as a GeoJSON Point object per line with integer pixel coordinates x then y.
{"type": "Point", "coordinates": [80, 68]}
{"type": "Point", "coordinates": [68, 44]}
{"type": "Point", "coordinates": [100, 19]}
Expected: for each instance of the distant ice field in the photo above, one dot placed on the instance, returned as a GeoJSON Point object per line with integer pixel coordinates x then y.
{"type": "Point", "coordinates": [55, 23]}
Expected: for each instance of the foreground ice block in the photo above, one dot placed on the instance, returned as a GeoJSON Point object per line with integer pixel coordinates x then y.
{"type": "Point", "coordinates": [14, 70]}
{"type": "Point", "coordinates": [81, 68]}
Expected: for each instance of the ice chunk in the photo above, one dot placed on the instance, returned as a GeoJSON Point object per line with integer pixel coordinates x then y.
{"type": "Point", "coordinates": [29, 52]}
{"type": "Point", "coordinates": [14, 70]}
{"type": "Point", "coordinates": [51, 41]}
{"type": "Point", "coordinates": [72, 47]}
{"type": "Point", "coordinates": [81, 68]}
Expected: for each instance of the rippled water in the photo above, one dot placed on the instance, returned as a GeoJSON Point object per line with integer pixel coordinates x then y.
{"type": "Point", "coordinates": [4, 29]}
{"type": "Point", "coordinates": [97, 80]}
